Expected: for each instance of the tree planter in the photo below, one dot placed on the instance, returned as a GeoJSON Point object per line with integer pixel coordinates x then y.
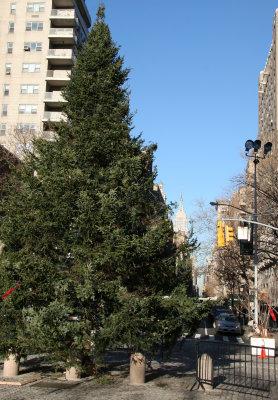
{"type": "Point", "coordinates": [72, 374]}
{"type": "Point", "coordinates": [263, 342]}
{"type": "Point", "coordinates": [11, 366]}
{"type": "Point", "coordinates": [137, 369]}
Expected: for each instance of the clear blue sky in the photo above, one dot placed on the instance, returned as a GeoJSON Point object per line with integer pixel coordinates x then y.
{"type": "Point", "coordinates": [195, 67]}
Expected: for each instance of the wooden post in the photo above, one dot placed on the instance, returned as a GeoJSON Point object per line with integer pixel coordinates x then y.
{"type": "Point", "coordinates": [137, 369]}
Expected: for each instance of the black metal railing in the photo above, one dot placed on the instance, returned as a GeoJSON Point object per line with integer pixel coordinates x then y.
{"type": "Point", "coordinates": [233, 364]}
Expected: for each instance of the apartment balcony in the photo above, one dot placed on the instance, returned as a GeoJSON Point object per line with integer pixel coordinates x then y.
{"type": "Point", "coordinates": [54, 99]}
{"type": "Point", "coordinates": [53, 116]}
{"type": "Point", "coordinates": [73, 3]}
{"type": "Point", "coordinates": [61, 56]}
{"type": "Point", "coordinates": [58, 77]}
{"type": "Point", "coordinates": [63, 18]}
{"type": "Point", "coordinates": [49, 135]}
{"type": "Point", "coordinates": [62, 36]}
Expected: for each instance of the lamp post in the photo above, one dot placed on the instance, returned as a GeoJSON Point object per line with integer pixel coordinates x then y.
{"type": "Point", "coordinates": [256, 145]}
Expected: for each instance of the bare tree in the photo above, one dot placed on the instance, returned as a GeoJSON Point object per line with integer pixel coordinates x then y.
{"type": "Point", "coordinates": [205, 227]}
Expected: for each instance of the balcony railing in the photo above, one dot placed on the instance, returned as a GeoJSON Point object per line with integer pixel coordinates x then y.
{"type": "Point", "coordinates": [65, 34]}
{"type": "Point", "coordinates": [55, 96]}
{"type": "Point", "coordinates": [53, 116]}
{"type": "Point", "coordinates": [49, 135]}
{"type": "Point", "coordinates": [61, 32]}
{"type": "Point", "coordinates": [63, 13]}
{"type": "Point", "coordinates": [61, 55]}
{"type": "Point", "coordinates": [59, 74]}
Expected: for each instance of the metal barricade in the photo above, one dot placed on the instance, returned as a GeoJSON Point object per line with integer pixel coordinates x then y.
{"type": "Point", "coordinates": [237, 365]}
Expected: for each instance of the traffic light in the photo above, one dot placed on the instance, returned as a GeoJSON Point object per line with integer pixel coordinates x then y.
{"type": "Point", "coordinates": [229, 234]}
{"type": "Point", "coordinates": [220, 234]}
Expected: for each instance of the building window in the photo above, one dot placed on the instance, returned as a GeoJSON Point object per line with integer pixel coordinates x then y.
{"type": "Point", "coordinates": [8, 69]}
{"type": "Point", "coordinates": [5, 110]}
{"type": "Point", "coordinates": [29, 89]}
{"type": "Point", "coordinates": [6, 90]}
{"type": "Point", "coordinates": [3, 129]}
{"type": "Point", "coordinates": [31, 67]}
{"type": "Point", "coordinates": [11, 27]}
{"type": "Point", "coordinates": [10, 47]}
{"type": "Point", "coordinates": [32, 46]}
{"type": "Point", "coordinates": [26, 128]}
{"type": "Point", "coordinates": [35, 7]}
{"type": "Point", "coordinates": [34, 26]}
{"type": "Point", "coordinates": [13, 8]}
{"type": "Point", "coordinates": [27, 108]}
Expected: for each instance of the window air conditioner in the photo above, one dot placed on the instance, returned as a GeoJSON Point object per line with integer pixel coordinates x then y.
{"type": "Point", "coordinates": [26, 48]}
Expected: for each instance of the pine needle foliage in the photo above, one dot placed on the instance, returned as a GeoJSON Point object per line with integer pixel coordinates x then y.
{"type": "Point", "coordinates": [84, 232]}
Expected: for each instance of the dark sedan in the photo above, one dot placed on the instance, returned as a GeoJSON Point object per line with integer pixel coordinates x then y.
{"type": "Point", "coordinates": [228, 323]}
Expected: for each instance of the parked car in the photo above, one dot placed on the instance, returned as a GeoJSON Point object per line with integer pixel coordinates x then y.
{"type": "Point", "coordinates": [228, 323]}
{"type": "Point", "coordinates": [217, 310]}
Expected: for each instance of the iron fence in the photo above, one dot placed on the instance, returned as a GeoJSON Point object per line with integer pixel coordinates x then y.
{"type": "Point", "coordinates": [234, 364]}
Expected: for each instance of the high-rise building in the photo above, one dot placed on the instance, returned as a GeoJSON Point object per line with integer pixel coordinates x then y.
{"type": "Point", "coordinates": [268, 93]}
{"type": "Point", "coordinates": [39, 43]}
{"type": "Point", "coordinates": [180, 220]}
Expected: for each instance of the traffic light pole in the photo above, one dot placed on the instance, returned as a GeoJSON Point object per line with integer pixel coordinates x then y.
{"type": "Point", "coordinates": [250, 222]}
{"type": "Point", "coordinates": [256, 145]}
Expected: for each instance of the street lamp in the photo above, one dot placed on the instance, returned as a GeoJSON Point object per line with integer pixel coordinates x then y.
{"type": "Point", "coordinates": [256, 145]}
{"type": "Point", "coordinates": [216, 204]}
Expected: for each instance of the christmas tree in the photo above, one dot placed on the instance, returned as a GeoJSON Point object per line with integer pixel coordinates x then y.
{"type": "Point", "coordinates": [85, 234]}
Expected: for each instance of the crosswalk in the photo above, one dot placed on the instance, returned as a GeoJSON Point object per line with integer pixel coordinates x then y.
{"type": "Point", "coordinates": [233, 339]}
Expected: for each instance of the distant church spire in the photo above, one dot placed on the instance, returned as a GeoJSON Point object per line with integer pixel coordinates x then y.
{"type": "Point", "coordinates": [180, 219]}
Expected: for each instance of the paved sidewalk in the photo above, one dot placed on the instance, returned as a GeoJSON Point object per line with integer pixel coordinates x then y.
{"type": "Point", "coordinates": [165, 380]}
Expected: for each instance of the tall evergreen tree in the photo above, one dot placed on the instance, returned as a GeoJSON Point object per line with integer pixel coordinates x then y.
{"type": "Point", "coordinates": [84, 233]}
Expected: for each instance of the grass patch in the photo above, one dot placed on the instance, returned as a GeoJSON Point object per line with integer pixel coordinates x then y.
{"type": "Point", "coordinates": [161, 385]}
{"type": "Point", "coordinates": [104, 380]}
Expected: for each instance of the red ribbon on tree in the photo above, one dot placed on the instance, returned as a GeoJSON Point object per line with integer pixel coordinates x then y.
{"type": "Point", "coordinates": [10, 291]}
{"type": "Point", "coordinates": [271, 312]}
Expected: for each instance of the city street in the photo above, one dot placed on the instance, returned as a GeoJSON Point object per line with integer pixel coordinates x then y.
{"type": "Point", "coordinates": [207, 331]}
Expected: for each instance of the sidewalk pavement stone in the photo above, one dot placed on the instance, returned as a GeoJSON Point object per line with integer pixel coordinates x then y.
{"type": "Point", "coordinates": [165, 380]}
